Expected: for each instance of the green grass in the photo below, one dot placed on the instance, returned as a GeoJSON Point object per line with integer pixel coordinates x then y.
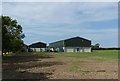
{"type": "Point", "coordinates": [111, 54]}
{"type": "Point", "coordinates": [75, 68]}
{"type": "Point", "coordinates": [104, 55]}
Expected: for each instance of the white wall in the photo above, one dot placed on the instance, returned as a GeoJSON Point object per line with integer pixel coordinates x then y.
{"type": "Point", "coordinates": [38, 49]}
{"type": "Point", "coordinates": [77, 49]}
{"type": "Point", "coordinates": [87, 49]}
{"type": "Point", "coordinates": [69, 49]}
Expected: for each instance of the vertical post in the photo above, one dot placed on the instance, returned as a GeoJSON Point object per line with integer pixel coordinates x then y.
{"type": "Point", "coordinates": [1, 43]}
{"type": "Point", "coordinates": [63, 46]}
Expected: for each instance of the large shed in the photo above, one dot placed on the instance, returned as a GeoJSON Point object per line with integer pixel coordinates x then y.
{"type": "Point", "coordinates": [38, 47]}
{"type": "Point", "coordinates": [75, 44]}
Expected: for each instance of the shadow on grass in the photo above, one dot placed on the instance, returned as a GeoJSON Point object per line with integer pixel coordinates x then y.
{"type": "Point", "coordinates": [22, 58]}
{"type": "Point", "coordinates": [12, 66]}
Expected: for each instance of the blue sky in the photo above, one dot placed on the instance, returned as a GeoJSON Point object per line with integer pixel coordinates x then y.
{"type": "Point", "coordinates": [52, 21]}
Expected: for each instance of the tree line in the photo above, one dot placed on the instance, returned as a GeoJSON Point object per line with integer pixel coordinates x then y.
{"type": "Point", "coordinates": [97, 47]}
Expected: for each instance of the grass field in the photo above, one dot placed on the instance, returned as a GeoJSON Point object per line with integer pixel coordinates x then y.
{"type": "Point", "coordinates": [99, 64]}
{"type": "Point", "coordinates": [110, 54]}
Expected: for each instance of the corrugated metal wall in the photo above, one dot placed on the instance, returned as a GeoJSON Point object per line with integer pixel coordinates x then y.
{"type": "Point", "coordinates": [77, 42]}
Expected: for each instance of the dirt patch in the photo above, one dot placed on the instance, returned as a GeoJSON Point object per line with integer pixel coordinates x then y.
{"type": "Point", "coordinates": [58, 67]}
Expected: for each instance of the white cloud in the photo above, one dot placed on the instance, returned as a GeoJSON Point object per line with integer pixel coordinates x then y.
{"type": "Point", "coordinates": [0, 8]}
{"type": "Point", "coordinates": [64, 19]}
{"type": "Point", "coordinates": [58, 13]}
{"type": "Point", "coordinates": [106, 37]}
{"type": "Point", "coordinates": [60, 0]}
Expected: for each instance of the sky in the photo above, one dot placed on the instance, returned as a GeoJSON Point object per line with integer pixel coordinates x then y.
{"type": "Point", "coordinates": [53, 21]}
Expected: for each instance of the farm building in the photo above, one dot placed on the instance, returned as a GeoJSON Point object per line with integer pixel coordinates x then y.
{"type": "Point", "coordinates": [38, 47]}
{"type": "Point", "coordinates": [75, 44]}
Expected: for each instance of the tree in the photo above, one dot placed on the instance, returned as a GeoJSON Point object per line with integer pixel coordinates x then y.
{"type": "Point", "coordinates": [96, 46]}
{"type": "Point", "coordinates": [12, 35]}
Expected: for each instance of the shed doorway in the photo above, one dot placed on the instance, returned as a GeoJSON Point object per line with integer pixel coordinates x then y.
{"type": "Point", "coordinates": [77, 50]}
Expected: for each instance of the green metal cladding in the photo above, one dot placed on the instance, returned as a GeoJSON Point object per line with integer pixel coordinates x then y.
{"type": "Point", "coordinates": [72, 42]}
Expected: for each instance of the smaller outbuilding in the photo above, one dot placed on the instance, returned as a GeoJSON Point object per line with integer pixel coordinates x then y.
{"type": "Point", "coordinates": [38, 47]}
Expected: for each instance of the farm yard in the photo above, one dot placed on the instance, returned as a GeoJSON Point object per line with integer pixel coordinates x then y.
{"type": "Point", "coordinates": [59, 40]}
{"type": "Point", "coordinates": [99, 64]}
